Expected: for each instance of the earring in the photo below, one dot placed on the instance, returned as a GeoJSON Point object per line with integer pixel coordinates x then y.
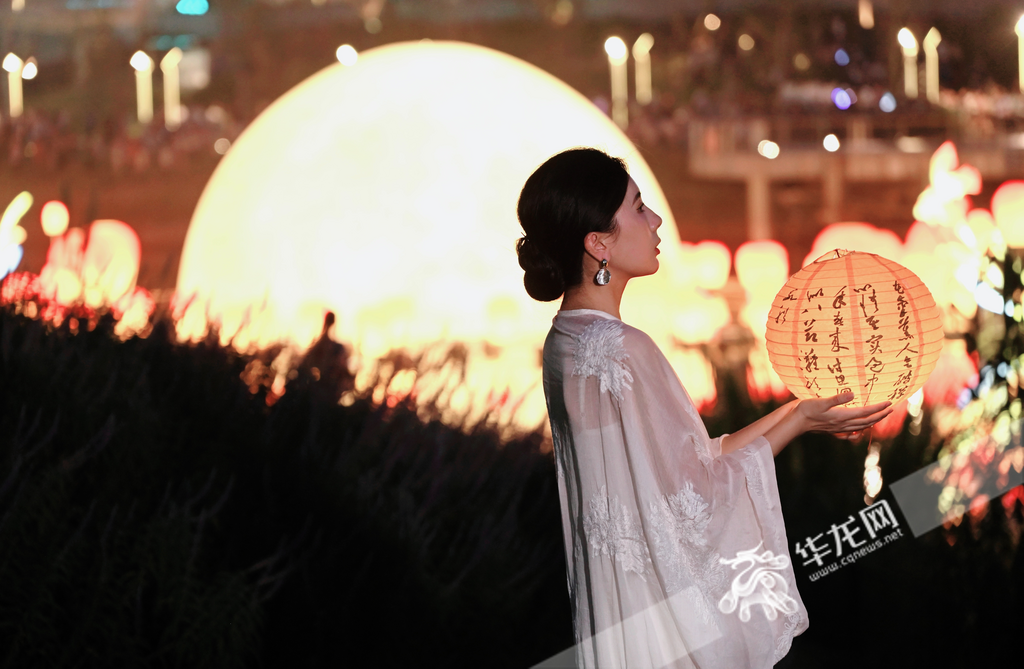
{"type": "Point", "coordinates": [603, 276]}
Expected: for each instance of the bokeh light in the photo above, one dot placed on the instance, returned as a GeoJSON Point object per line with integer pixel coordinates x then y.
{"type": "Point", "coordinates": [831, 143]}
{"type": "Point", "coordinates": [54, 218]}
{"type": "Point", "coordinates": [712, 22]}
{"type": "Point", "coordinates": [841, 57]}
{"type": "Point", "coordinates": [768, 149]}
{"type": "Point", "coordinates": [746, 42]}
{"type": "Point", "coordinates": [887, 102]}
{"type": "Point", "coordinates": [802, 62]}
{"type": "Point", "coordinates": [841, 98]}
{"type": "Point", "coordinates": [346, 55]}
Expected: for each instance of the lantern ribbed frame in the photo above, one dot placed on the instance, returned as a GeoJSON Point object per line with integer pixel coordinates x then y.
{"type": "Point", "coordinates": [842, 323]}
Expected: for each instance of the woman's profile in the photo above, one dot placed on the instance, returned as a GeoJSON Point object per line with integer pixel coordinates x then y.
{"type": "Point", "coordinates": [675, 544]}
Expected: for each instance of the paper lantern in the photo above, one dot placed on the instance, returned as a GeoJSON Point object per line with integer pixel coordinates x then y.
{"type": "Point", "coordinates": [854, 321]}
{"type": "Point", "coordinates": [1008, 210]}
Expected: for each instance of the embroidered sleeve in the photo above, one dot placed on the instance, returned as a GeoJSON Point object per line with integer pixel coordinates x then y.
{"type": "Point", "coordinates": [678, 527]}
{"type": "Point", "coordinates": [615, 532]}
{"type": "Point", "coordinates": [600, 352]}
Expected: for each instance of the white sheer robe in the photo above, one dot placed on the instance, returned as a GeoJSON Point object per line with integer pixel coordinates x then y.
{"type": "Point", "coordinates": [676, 554]}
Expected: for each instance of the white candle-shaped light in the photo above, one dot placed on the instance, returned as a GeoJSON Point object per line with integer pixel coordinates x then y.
{"type": "Point", "coordinates": [30, 69]}
{"type": "Point", "coordinates": [909, 44]}
{"type": "Point", "coordinates": [1019, 29]}
{"type": "Point", "coordinates": [143, 65]}
{"type": "Point", "coordinates": [931, 64]}
{"type": "Point", "coordinates": [642, 68]}
{"type": "Point", "coordinates": [14, 66]}
{"type": "Point", "coordinates": [617, 57]}
{"type": "Point", "coordinates": [172, 89]}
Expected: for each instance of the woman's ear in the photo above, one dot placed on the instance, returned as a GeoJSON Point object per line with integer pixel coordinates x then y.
{"type": "Point", "coordinates": [595, 244]}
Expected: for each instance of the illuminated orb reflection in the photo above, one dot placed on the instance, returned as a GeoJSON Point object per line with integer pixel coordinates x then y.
{"type": "Point", "coordinates": [386, 192]}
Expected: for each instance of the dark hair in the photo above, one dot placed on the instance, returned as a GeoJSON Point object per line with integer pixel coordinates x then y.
{"type": "Point", "coordinates": [571, 195]}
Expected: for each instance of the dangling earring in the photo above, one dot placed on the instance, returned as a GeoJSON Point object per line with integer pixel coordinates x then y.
{"type": "Point", "coordinates": [603, 276]}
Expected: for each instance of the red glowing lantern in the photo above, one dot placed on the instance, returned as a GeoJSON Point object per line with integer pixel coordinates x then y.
{"type": "Point", "coordinates": [854, 321]}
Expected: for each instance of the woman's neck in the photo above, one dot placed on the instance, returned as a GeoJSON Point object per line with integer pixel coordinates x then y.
{"type": "Point", "coordinates": [591, 296]}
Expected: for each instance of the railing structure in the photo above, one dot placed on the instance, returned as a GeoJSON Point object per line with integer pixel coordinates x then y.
{"type": "Point", "coordinates": [872, 147]}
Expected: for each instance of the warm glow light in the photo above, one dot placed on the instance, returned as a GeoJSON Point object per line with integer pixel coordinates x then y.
{"type": "Point", "coordinates": [12, 235]}
{"type": "Point", "coordinates": [172, 89]}
{"type": "Point", "coordinates": [12, 63]}
{"type": "Point", "coordinates": [642, 60]}
{"type": "Point", "coordinates": [768, 149]}
{"type": "Point", "coordinates": [1008, 211]}
{"type": "Point", "coordinates": [110, 264]}
{"type": "Point", "coordinates": [712, 22]}
{"type": "Point", "coordinates": [909, 44]}
{"type": "Point", "coordinates": [615, 48]}
{"type": "Point", "coordinates": [802, 62]}
{"type": "Point", "coordinates": [347, 55]}
{"type": "Point", "coordinates": [831, 143]}
{"type": "Point", "coordinates": [384, 193]}
{"type": "Point", "coordinates": [854, 321]}
{"type": "Point", "coordinates": [942, 202]}
{"type": "Point", "coordinates": [143, 65]}
{"type": "Point", "coordinates": [98, 274]}
{"type": "Point", "coordinates": [30, 70]}
{"type": "Point", "coordinates": [54, 218]}
{"type": "Point", "coordinates": [643, 45]}
{"type": "Point", "coordinates": [746, 42]}
{"type": "Point", "coordinates": [931, 61]}
{"type": "Point", "coordinates": [762, 266]}
{"type": "Point", "coordinates": [866, 14]}
{"type": "Point", "coordinates": [907, 41]}
{"type": "Point", "coordinates": [1019, 29]}
{"type": "Point", "coordinates": [856, 237]}
{"type": "Point", "coordinates": [617, 57]}
{"type": "Point", "coordinates": [141, 62]}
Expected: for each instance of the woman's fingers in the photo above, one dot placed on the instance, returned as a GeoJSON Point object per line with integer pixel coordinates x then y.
{"type": "Point", "coordinates": [841, 398]}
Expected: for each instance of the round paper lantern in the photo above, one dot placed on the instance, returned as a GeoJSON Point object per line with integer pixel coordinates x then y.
{"type": "Point", "coordinates": [854, 321]}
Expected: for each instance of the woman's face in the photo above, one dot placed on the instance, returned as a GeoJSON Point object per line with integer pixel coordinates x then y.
{"type": "Point", "coordinates": [633, 248]}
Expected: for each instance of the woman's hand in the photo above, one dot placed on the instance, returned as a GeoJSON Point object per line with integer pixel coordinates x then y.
{"type": "Point", "coordinates": [828, 415]}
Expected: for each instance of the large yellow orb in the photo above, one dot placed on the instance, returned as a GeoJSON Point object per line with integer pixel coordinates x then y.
{"type": "Point", "coordinates": [386, 192]}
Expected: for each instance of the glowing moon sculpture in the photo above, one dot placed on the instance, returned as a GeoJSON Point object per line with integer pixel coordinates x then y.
{"type": "Point", "coordinates": [854, 321]}
{"type": "Point", "coordinates": [386, 192]}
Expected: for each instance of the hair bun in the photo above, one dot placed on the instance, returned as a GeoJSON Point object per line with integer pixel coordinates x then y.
{"type": "Point", "coordinates": [543, 279]}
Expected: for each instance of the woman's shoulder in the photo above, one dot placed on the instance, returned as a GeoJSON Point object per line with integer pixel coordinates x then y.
{"type": "Point", "coordinates": [607, 348]}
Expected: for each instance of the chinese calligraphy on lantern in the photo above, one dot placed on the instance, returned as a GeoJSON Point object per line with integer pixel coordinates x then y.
{"type": "Point", "coordinates": [854, 322]}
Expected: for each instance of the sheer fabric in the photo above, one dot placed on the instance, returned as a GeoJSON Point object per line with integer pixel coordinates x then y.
{"type": "Point", "coordinates": [676, 554]}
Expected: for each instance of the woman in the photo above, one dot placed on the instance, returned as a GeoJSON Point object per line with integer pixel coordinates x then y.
{"type": "Point", "coordinates": [675, 544]}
